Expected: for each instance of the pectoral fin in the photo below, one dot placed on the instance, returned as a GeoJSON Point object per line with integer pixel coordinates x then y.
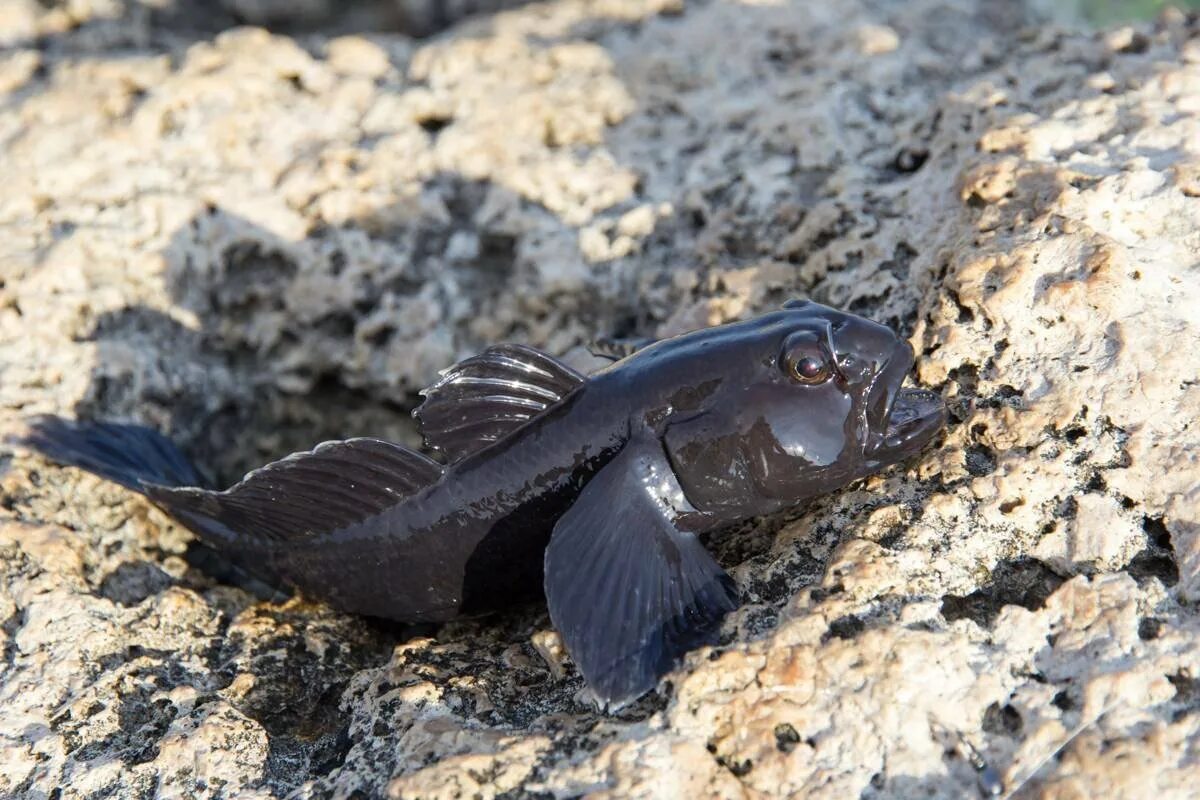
{"type": "Point", "coordinates": [629, 590]}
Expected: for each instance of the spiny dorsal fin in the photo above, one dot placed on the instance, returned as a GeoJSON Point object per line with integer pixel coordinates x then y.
{"type": "Point", "coordinates": [485, 397]}
{"type": "Point", "coordinates": [305, 495]}
{"type": "Point", "coordinates": [617, 348]}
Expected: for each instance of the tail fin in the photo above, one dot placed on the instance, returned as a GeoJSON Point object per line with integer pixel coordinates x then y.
{"type": "Point", "coordinates": [131, 455]}
{"type": "Point", "coordinates": [300, 498]}
{"type": "Point", "coordinates": [145, 461]}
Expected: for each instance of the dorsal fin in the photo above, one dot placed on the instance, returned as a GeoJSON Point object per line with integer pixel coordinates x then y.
{"type": "Point", "coordinates": [305, 495]}
{"type": "Point", "coordinates": [483, 398]}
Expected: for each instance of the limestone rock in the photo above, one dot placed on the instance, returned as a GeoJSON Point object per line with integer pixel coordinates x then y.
{"type": "Point", "coordinates": [257, 241]}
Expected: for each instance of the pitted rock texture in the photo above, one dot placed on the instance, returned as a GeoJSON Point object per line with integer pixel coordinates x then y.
{"type": "Point", "coordinates": [256, 242]}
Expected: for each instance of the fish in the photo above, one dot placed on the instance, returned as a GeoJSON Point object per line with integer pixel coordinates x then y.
{"type": "Point", "coordinates": [591, 491]}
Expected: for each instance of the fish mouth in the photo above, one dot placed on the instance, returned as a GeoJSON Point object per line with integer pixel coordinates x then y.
{"type": "Point", "coordinates": [915, 416]}
{"type": "Point", "coordinates": [901, 420]}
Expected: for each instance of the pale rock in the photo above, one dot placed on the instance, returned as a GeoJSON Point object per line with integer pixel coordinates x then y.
{"type": "Point", "coordinates": [256, 242]}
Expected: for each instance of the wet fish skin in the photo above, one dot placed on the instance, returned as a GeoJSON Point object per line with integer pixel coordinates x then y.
{"type": "Point", "coordinates": [591, 490]}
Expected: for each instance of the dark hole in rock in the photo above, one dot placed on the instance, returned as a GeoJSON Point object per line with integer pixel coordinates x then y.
{"type": "Point", "coordinates": [1157, 559]}
{"type": "Point", "coordinates": [965, 314]}
{"type": "Point", "coordinates": [497, 254]}
{"type": "Point", "coordinates": [980, 460]}
{"type": "Point", "coordinates": [1002, 720]}
{"type": "Point", "coordinates": [1149, 628]}
{"type": "Point", "coordinates": [900, 264]}
{"type": "Point", "coordinates": [1063, 701]}
{"type": "Point", "coordinates": [820, 594]}
{"type": "Point", "coordinates": [316, 747]}
{"type": "Point", "coordinates": [141, 722]}
{"type": "Point", "coordinates": [380, 336]}
{"type": "Point", "coordinates": [1096, 483]}
{"type": "Point", "coordinates": [910, 159]}
{"type": "Point", "coordinates": [1008, 506]}
{"type": "Point", "coordinates": [298, 687]}
{"type": "Point", "coordinates": [1025, 582]}
{"type": "Point", "coordinates": [738, 769]}
{"type": "Point", "coordinates": [786, 738]}
{"type": "Point", "coordinates": [1007, 394]}
{"type": "Point", "coordinates": [1074, 434]}
{"type": "Point", "coordinates": [435, 124]}
{"type": "Point", "coordinates": [846, 627]}
{"type": "Point", "coordinates": [1154, 563]}
{"type": "Point", "coordinates": [1187, 695]}
{"type": "Point", "coordinates": [1157, 530]}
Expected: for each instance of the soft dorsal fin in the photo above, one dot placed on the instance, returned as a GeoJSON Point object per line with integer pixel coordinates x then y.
{"type": "Point", "coordinates": [483, 398]}
{"type": "Point", "coordinates": [305, 495]}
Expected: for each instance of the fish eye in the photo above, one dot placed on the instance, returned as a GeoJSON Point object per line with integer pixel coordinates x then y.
{"type": "Point", "coordinates": [805, 362]}
{"type": "Point", "coordinates": [810, 370]}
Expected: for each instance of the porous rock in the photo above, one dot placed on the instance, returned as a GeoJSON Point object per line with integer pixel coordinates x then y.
{"type": "Point", "coordinates": [255, 242]}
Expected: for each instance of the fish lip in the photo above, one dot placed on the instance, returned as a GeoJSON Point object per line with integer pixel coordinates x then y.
{"type": "Point", "coordinates": [915, 416]}
{"type": "Point", "coordinates": [900, 420]}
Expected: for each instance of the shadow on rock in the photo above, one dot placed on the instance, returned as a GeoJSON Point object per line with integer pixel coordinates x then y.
{"type": "Point", "coordinates": [268, 349]}
{"type": "Point", "coordinates": [134, 23]}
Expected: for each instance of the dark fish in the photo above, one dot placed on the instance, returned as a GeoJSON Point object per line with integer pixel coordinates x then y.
{"type": "Point", "coordinates": [592, 489]}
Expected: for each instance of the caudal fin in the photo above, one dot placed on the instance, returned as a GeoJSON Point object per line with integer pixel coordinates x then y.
{"type": "Point", "coordinates": [145, 461]}
{"type": "Point", "coordinates": [132, 455]}
{"type": "Point", "coordinates": [298, 499]}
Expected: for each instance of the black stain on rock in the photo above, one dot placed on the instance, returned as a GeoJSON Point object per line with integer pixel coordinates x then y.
{"type": "Point", "coordinates": [134, 581]}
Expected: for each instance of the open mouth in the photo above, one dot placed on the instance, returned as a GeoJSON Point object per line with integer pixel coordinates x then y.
{"type": "Point", "coordinates": [915, 415]}
{"type": "Point", "coordinates": [901, 420]}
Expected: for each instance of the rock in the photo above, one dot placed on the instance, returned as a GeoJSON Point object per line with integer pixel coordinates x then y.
{"type": "Point", "coordinates": [255, 242]}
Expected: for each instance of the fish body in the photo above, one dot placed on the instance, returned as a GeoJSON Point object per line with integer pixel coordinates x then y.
{"type": "Point", "coordinates": [589, 489]}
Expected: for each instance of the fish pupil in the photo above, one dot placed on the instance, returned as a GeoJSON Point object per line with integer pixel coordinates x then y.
{"type": "Point", "coordinates": [809, 367]}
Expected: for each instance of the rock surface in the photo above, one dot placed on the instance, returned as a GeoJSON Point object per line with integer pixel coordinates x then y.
{"type": "Point", "coordinates": [254, 242]}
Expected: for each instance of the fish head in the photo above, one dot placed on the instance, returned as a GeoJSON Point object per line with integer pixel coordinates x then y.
{"type": "Point", "coordinates": [792, 404]}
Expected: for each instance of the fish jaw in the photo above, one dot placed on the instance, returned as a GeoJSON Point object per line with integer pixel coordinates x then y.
{"type": "Point", "coordinates": [900, 420]}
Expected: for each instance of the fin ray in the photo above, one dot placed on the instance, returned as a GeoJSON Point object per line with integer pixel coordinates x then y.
{"type": "Point", "coordinates": [483, 398]}
{"type": "Point", "coordinates": [309, 494]}
{"type": "Point", "coordinates": [629, 590]}
{"type": "Point", "coordinates": [122, 453]}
